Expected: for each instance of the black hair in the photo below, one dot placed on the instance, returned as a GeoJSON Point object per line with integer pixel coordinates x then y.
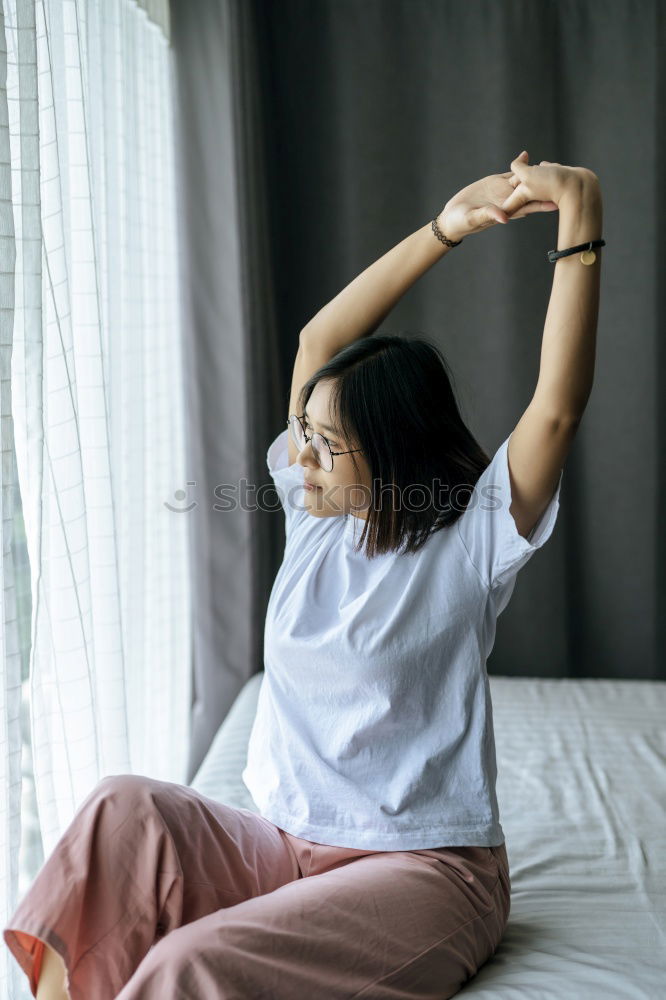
{"type": "Point", "coordinates": [393, 397]}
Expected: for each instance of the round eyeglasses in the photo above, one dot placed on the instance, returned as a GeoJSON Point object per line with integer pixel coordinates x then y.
{"type": "Point", "coordinates": [320, 446]}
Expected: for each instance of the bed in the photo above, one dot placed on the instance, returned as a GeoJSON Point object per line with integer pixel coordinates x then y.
{"type": "Point", "coordinates": [582, 795]}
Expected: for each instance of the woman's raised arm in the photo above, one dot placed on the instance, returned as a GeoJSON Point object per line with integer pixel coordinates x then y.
{"type": "Point", "coordinates": [568, 347]}
{"type": "Point", "coordinates": [542, 438]}
{"type": "Point", "coordinates": [361, 306]}
{"type": "Point", "coordinates": [566, 369]}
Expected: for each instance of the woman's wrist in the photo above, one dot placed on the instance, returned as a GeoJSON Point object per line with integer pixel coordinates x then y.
{"type": "Point", "coordinates": [581, 213]}
{"type": "Point", "coordinates": [583, 186]}
{"type": "Point", "coordinates": [446, 229]}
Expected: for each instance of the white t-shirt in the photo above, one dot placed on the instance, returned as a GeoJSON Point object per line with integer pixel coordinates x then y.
{"type": "Point", "coordinates": [374, 724]}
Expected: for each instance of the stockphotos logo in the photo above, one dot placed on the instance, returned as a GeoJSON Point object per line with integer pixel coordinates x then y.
{"type": "Point", "coordinates": [181, 495]}
{"type": "Point", "coordinates": [415, 497]}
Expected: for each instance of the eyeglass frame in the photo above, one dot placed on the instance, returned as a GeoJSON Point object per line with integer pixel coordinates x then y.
{"type": "Point", "coordinates": [308, 439]}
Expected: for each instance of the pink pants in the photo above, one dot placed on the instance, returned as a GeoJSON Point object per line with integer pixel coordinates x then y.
{"type": "Point", "coordinates": [156, 892]}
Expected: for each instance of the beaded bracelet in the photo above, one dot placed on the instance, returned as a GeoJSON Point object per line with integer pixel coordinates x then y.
{"type": "Point", "coordinates": [440, 235]}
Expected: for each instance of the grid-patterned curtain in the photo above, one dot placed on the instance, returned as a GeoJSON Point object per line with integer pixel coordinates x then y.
{"type": "Point", "coordinates": [96, 630]}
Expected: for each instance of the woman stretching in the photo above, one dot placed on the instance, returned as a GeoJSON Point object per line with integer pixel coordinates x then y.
{"type": "Point", "coordinates": [376, 866]}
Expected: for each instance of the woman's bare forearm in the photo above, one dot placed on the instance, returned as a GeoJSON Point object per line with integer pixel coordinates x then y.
{"type": "Point", "coordinates": [361, 306]}
{"type": "Point", "coordinates": [568, 349]}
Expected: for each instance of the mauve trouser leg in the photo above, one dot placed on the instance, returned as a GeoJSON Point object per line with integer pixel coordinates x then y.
{"type": "Point", "coordinates": [140, 858]}
{"type": "Point", "coordinates": [248, 910]}
{"type": "Point", "coordinates": [399, 925]}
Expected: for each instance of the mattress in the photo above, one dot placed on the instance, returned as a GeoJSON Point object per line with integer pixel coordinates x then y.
{"type": "Point", "coordinates": [582, 795]}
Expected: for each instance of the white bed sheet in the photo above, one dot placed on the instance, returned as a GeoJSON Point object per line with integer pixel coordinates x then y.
{"type": "Point", "coordinates": [582, 797]}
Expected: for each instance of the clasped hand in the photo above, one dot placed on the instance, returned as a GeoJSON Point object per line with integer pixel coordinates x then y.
{"type": "Point", "coordinates": [502, 197]}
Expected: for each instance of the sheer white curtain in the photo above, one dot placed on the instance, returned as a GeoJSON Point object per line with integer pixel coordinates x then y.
{"type": "Point", "coordinates": [90, 371]}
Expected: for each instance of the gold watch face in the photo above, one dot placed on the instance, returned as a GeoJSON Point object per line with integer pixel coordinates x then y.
{"type": "Point", "coordinates": [588, 256]}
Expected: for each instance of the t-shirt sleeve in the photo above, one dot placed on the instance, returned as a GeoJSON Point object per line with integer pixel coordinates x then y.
{"type": "Point", "coordinates": [288, 480]}
{"type": "Point", "coordinates": [488, 530]}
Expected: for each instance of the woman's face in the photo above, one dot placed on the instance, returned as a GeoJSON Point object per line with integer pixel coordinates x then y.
{"type": "Point", "coordinates": [339, 491]}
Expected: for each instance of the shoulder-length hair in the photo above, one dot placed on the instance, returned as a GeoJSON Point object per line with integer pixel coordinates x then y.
{"type": "Point", "coordinates": [393, 397]}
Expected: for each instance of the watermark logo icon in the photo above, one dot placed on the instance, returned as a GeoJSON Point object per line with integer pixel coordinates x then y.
{"type": "Point", "coordinates": [180, 495]}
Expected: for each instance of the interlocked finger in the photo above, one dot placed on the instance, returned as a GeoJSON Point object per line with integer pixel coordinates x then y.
{"type": "Point", "coordinates": [533, 206]}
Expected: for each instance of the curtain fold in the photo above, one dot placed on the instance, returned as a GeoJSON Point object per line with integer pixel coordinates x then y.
{"type": "Point", "coordinates": [232, 390]}
{"type": "Point", "coordinates": [91, 328]}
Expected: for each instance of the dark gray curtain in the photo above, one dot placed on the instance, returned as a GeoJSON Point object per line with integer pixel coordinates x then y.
{"type": "Point", "coordinates": [234, 353]}
{"type": "Point", "coordinates": [313, 137]}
